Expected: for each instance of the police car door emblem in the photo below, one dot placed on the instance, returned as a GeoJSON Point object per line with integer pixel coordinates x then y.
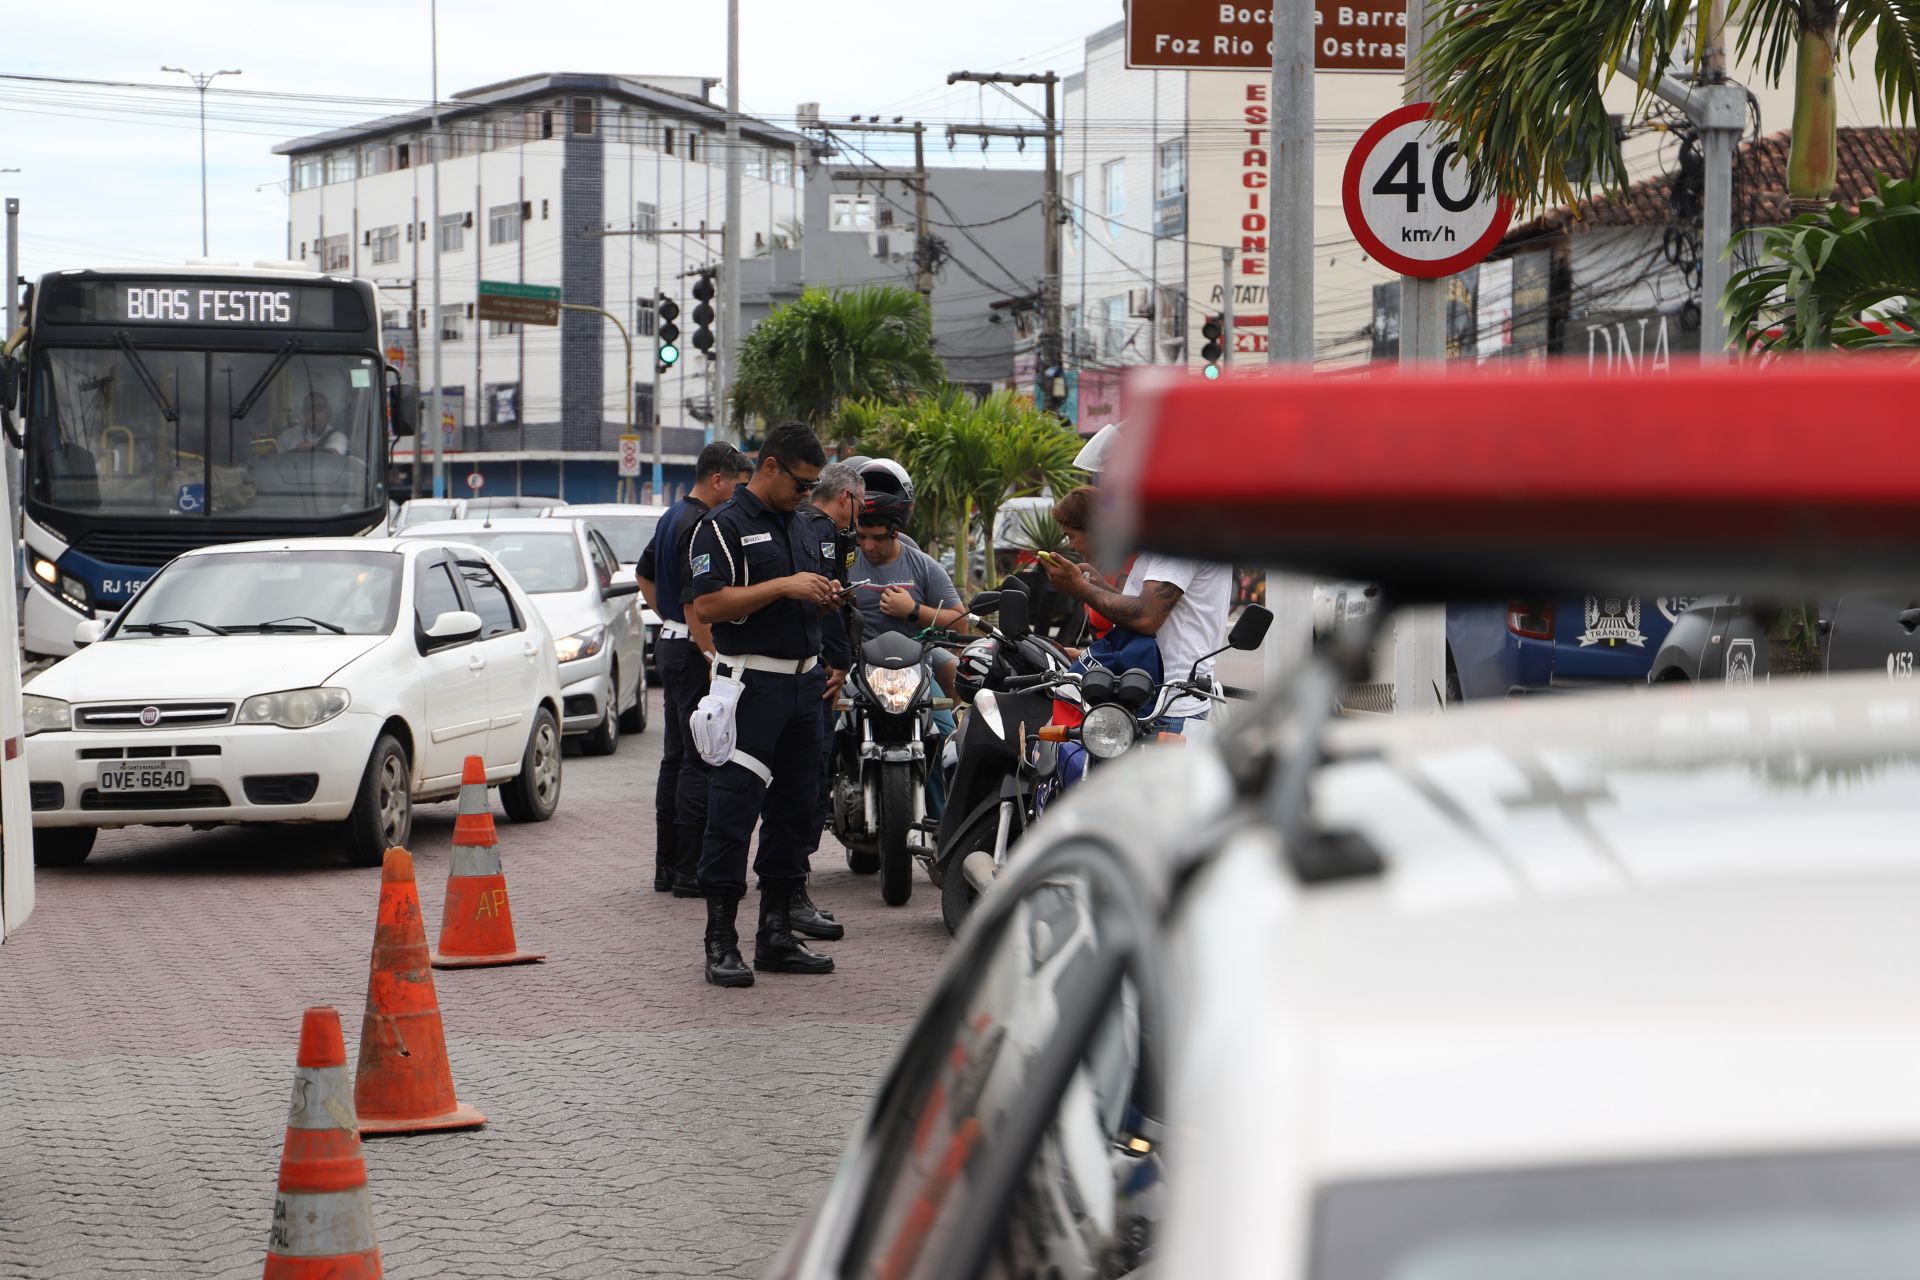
{"type": "Point", "coordinates": [1613, 620]}
{"type": "Point", "coordinates": [1740, 662]}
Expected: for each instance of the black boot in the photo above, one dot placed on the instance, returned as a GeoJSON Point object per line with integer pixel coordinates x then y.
{"type": "Point", "coordinates": [775, 948]}
{"type": "Point", "coordinates": [725, 968]}
{"type": "Point", "coordinates": [686, 866]}
{"type": "Point", "coordinates": [665, 834]}
{"type": "Point", "coordinates": [810, 921]}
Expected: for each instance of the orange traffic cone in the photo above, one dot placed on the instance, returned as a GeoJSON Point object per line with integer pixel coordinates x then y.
{"type": "Point", "coordinates": [322, 1219]}
{"type": "Point", "coordinates": [404, 1084]}
{"type": "Point", "coordinates": [476, 924]}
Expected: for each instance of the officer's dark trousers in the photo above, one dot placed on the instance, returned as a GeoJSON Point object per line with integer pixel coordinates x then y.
{"type": "Point", "coordinates": [823, 813]}
{"type": "Point", "coordinates": [778, 724]}
{"type": "Point", "coordinates": [680, 796]}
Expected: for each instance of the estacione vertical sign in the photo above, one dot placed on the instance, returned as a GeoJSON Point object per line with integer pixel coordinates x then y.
{"type": "Point", "coordinates": [1230, 174]}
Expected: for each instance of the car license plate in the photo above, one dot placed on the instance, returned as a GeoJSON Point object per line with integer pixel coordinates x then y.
{"type": "Point", "coordinates": [145, 775]}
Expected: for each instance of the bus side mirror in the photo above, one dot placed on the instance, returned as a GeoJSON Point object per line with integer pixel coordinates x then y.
{"type": "Point", "coordinates": [403, 408]}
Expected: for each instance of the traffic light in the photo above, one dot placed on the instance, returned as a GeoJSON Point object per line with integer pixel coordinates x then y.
{"type": "Point", "coordinates": [1212, 331]}
{"type": "Point", "coordinates": [703, 315]}
{"type": "Point", "coordinates": [668, 334]}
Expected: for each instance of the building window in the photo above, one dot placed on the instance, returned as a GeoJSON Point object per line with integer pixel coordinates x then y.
{"type": "Point", "coordinates": [403, 153]}
{"type": "Point", "coordinates": [756, 162]}
{"type": "Point", "coordinates": [668, 141]}
{"type": "Point", "coordinates": [392, 319]}
{"type": "Point", "coordinates": [692, 139]}
{"type": "Point", "coordinates": [1076, 335]}
{"type": "Point", "coordinates": [645, 318]}
{"type": "Point", "coordinates": [339, 166]}
{"type": "Point", "coordinates": [1113, 328]}
{"type": "Point", "coordinates": [647, 134]}
{"type": "Point", "coordinates": [780, 168]}
{"type": "Point", "coordinates": [852, 213]}
{"type": "Point", "coordinates": [453, 235]}
{"type": "Point", "coordinates": [1173, 169]}
{"type": "Point", "coordinates": [1172, 310]}
{"type": "Point", "coordinates": [646, 217]}
{"type": "Point", "coordinates": [502, 328]}
{"type": "Point", "coordinates": [386, 244]}
{"type": "Point", "coordinates": [643, 404]}
{"type": "Point", "coordinates": [1114, 180]}
{"type": "Point", "coordinates": [308, 171]}
{"type": "Point", "coordinates": [453, 323]}
{"type": "Point", "coordinates": [503, 223]}
{"type": "Point", "coordinates": [885, 217]}
{"type": "Point", "coordinates": [502, 404]}
{"type": "Point", "coordinates": [583, 115]}
{"type": "Point", "coordinates": [336, 253]}
{"type": "Point", "coordinates": [1076, 207]}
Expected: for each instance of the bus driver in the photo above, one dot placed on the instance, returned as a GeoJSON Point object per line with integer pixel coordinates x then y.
{"type": "Point", "coordinates": [315, 430]}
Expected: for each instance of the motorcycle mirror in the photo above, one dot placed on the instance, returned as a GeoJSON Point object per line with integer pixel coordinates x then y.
{"type": "Point", "coordinates": [985, 603]}
{"type": "Point", "coordinates": [1012, 584]}
{"type": "Point", "coordinates": [1014, 620]}
{"type": "Point", "coordinates": [1097, 686]}
{"type": "Point", "coordinates": [1135, 689]}
{"type": "Point", "coordinates": [1251, 629]}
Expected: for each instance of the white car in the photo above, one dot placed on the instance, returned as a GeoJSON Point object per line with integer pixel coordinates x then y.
{"type": "Point", "coordinates": [628, 528]}
{"type": "Point", "coordinates": [419, 511]}
{"type": "Point", "coordinates": [592, 608]}
{"type": "Point", "coordinates": [319, 680]}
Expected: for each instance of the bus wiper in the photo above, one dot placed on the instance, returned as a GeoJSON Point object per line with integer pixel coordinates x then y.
{"type": "Point", "coordinates": [259, 387]}
{"type": "Point", "coordinates": [146, 379]}
{"type": "Point", "coordinates": [173, 628]}
{"type": "Point", "coordinates": [296, 623]}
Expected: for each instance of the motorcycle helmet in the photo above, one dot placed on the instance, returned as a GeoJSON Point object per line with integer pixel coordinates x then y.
{"type": "Point", "coordinates": [980, 665]}
{"type": "Point", "coordinates": [889, 494]}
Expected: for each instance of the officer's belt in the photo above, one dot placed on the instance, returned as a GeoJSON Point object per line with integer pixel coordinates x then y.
{"type": "Point", "coordinates": [674, 631]}
{"type": "Point", "coordinates": [752, 766]}
{"type": "Point", "coordinates": [735, 663]}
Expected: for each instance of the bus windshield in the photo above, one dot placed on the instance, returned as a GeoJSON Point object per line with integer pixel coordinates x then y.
{"type": "Point", "coordinates": [143, 431]}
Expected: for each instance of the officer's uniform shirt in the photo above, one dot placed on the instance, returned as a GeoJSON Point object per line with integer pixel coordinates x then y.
{"type": "Point", "coordinates": [744, 542]}
{"type": "Point", "coordinates": [836, 649]}
{"type": "Point", "coordinates": [664, 561]}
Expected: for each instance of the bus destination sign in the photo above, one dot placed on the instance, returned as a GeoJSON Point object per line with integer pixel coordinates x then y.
{"type": "Point", "coordinates": [203, 304]}
{"type": "Point", "coordinates": [207, 306]}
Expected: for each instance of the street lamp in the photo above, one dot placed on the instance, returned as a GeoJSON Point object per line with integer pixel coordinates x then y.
{"type": "Point", "coordinates": [201, 79]}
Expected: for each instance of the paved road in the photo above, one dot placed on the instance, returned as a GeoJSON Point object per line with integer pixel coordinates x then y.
{"type": "Point", "coordinates": [641, 1122]}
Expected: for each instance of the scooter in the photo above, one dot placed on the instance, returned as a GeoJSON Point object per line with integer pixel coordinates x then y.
{"type": "Point", "coordinates": [880, 760]}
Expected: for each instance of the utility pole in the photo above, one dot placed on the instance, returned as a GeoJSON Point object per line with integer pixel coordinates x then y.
{"type": "Point", "coordinates": [434, 148]}
{"type": "Point", "coordinates": [13, 268]}
{"type": "Point", "coordinates": [1052, 345]}
{"type": "Point", "coordinates": [201, 79]}
{"type": "Point", "coordinates": [923, 236]}
{"type": "Point", "coordinates": [1226, 311]}
{"type": "Point", "coordinates": [727, 350]}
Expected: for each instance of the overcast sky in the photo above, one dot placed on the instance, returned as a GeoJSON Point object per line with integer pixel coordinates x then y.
{"type": "Point", "coordinates": [112, 177]}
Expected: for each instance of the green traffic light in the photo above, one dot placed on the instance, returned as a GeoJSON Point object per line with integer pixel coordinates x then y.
{"type": "Point", "coordinates": [669, 354]}
{"type": "Point", "coordinates": [1213, 372]}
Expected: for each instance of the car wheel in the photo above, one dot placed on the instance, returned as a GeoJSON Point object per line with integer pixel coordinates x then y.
{"type": "Point", "coordinates": [382, 816]}
{"type": "Point", "coordinates": [634, 719]}
{"type": "Point", "coordinates": [604, 738]}
{"type": "Point", "coordinates": [62, 846]}
{"type": "Point", "coordinates": [534, 794]}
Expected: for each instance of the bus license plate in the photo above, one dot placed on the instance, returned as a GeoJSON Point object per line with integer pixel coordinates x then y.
{"type": "Point", "coordinates": [146, 775]}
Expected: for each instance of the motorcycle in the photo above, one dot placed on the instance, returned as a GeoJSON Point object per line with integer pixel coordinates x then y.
{"type": "Point", "coordinates": [1087, 717]}
{"type": "Point", "coordinates": [880, 760]}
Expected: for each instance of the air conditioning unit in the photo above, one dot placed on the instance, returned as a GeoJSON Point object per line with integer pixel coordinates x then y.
{"type": "Point", "coordinates": [1140, 304]}
{"type": "Point", "coordinates": [366, 237]}
{"type": "Point", "coordinates": [526, 211]}
{"type": "Point", "coordinates": [466, 219]}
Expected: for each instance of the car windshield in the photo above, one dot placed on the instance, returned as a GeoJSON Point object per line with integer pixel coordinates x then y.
{"type": "Point", "coordinates": [628, 534]}
{"type": "Point", "coordinates": [411, 516]}
{"type": "Point", "coordinates": [1759, 1218]}
{"type": "Point", "coordinates": [542, 563]}
{"type": "Point", "coordinates": [146, 431]}
{"type": "Point", "coordinates": [356, 592]}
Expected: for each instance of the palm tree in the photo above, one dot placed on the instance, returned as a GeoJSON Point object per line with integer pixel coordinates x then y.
{"type": "Point", "coordinates": [1522, 79]}
{"type": "Point", "coordinates": [1821, 271]}
{"type": "Point", "coordinates": [825, 348]}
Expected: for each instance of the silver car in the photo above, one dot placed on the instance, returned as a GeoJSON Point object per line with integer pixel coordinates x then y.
{"type": "Point", "coordinates": [628, 527]}
{"type": "Point", "coordinates": [590, 604]}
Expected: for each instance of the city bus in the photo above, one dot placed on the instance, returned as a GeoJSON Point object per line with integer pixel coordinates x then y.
{"type": "Point", "coordinates": [164, 409]}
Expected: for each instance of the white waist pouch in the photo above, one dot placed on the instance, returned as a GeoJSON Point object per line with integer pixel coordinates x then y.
{"type": "Point", "coordinates": [711, 723]}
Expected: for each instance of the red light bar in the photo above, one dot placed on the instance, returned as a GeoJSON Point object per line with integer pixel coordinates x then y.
{"type": "Point", "coordinates": [1441, 485]}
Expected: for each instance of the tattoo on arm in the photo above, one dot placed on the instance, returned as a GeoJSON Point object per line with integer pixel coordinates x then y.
{"type": "Point", "coordinates": [1146, 612]}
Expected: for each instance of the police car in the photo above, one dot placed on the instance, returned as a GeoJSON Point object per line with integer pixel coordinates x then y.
{"type": "Point", "coordinates": [1538, 990]}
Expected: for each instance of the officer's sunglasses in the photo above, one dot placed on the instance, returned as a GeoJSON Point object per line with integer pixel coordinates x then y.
{"type": "Point", "coordinates": [804, 486]}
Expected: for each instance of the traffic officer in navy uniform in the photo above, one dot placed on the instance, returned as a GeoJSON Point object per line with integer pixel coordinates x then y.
{"type": "Point", "coordinates": [761, 584]}
{"type": "Point", "coordinates": [680, 795]}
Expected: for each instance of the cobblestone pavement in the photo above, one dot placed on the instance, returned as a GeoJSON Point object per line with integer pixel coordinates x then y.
{"type": "Point", "coordinates": [641, 1122]}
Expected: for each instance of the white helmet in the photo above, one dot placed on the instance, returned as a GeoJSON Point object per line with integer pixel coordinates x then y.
{"type": "Point", "coordinates": [1093, 455]}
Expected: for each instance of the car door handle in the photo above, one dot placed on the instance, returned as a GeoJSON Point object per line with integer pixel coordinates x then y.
{"type": "Point", "coordinates": [1909, 618]}
{"type": "Point", "coordinates": [476, 663]}
{"type": "Point", "coordinates": [530, 650]}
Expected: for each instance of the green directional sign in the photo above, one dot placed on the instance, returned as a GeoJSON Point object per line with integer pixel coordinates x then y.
{"type": "Point", "coordinates": [519, 303]}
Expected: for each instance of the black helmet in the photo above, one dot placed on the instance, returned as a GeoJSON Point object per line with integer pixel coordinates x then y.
{"type": "Point", "coordinates": [889, 494]}
{"type": "Point", "coordinates": [980, 666]}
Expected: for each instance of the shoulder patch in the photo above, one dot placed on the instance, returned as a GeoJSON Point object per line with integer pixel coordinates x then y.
{"type": "Point", "coordinates": [702, 563]}
{"type": "Point", "coordinates": [752, 538]}
{"type": "Point", "coordinates": [826, 550]}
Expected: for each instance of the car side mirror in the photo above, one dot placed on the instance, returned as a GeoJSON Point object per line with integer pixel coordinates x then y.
{"type": "Point", "coordinates": [453, 625]}
{"type": "Point", "coordinates": [1015, 622]}
{"type": "Point", "coordinates": [403, 408]}
{"type": "Point", "coordinates": [87, 632]}
{"type": "Point", "coordinates": [985, 603]}
{"type": "Point", "coordinates": [1251, 628]}
{"type": "Point", "coordinates": [624, 583]}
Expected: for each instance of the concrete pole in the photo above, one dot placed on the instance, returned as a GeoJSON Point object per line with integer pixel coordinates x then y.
{"type": "Point", "coordinates": [13, 267]}
{"type": "Point", "coordinates": [1053, 348]}
{"type": "Point", "coordinates": [731, 235]}
{"type": "Point", "coordinates": [1226, 309]}
{"type": "Point", "coordinates": [1420, 635]}
{"type": "Point", "coordinates": [1290, 285]}
{"type": "Point", "coordinates": [1717, 144]}
{"type": "Point", "coordinates": [433, 155]}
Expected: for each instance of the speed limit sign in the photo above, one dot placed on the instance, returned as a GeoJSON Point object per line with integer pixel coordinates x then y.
{"type": "Point", "coordinates": [1411, 202]}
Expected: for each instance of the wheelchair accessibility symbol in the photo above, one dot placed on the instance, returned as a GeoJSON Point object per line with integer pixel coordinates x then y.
{"type": "Point", "coordinates": [192, 497]}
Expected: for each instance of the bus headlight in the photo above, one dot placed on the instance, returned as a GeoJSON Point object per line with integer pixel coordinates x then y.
{"type": "Point", "coordinates": [294, 708]}
{"type": "Point", "coordinates": [41, 714]}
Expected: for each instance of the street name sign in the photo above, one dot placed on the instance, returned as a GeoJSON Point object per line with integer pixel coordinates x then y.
{"type": "Point", "coordinates": [1411, 202]}
{"type": "Point", "coordinates": [518, 303]}
{"type": "Point", "coordinates": [1205, 35]}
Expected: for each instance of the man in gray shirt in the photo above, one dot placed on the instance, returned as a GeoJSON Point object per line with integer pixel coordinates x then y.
{"type": "Point", "coordinates": [905, 589]}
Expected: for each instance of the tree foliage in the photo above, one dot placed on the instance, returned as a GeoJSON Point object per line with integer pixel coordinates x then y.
{"type": "Point", "coordinates": [826, 348]}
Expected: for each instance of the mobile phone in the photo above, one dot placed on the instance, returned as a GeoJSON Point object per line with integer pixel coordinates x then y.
{"type": "Point", "coordinates": [1054, 557]}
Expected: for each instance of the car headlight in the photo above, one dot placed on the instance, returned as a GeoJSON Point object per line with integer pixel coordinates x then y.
{"type": "Point", "coordinates": [295, 708]}
{"type": "Point", "coordinates": [581, 644]}
{"type": "Point", "coordinates": [42, 714]}
{"type": "Point", "coordinates": [1107, 731]}
{"type": "Point", "coordinates": [894, 687]}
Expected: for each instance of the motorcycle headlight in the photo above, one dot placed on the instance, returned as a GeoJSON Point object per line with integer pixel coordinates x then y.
{"type": "Point", "coordinates": [42, 714]}
{"type": "Point", "coordinates": [294, 708]}
{"type": "Point", "coordinates": [894, 688]}
{"type": "Point", "coordinates": [1107, 731]}
{"type": "Point", "coordinates": [581, 644]}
